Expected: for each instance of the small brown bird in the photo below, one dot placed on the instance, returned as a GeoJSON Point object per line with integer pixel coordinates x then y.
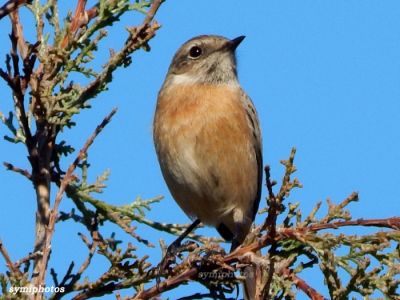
{"type": "Point", "coordinates": [208, 139]}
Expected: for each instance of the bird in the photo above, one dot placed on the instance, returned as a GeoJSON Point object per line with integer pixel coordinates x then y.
{"type": "Point", "coordinates": [207, 138]}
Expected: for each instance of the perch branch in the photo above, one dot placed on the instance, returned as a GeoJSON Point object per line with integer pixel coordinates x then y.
{"type": "Point", "coordinates": [240, 254]}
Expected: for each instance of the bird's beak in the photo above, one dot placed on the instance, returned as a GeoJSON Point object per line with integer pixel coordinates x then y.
{"type": "Point", "coordinates": [233, 44]}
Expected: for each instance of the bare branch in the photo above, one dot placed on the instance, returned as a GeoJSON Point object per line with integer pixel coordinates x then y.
{"type": "Point", "coordinates": [18, 32]}
{"type": "Point", "coordinates": [392, 223]}
{"type": "Point", "coordinates": [29, 257]}
{"type": "Point", "coordinates": [79, 19]}
{"type": "Point", "coordinates": [23, 172]}
{"type": "Point", "coordinates": [13, 269]}
{"type": "Point", "coordinates": [166, 285]}
{"type": "Point", "coordinates": [11, 6]}
{"type": "Point", "coordinates": [64, 183]}
{"type": "Point", "coordinates": [302, 285]}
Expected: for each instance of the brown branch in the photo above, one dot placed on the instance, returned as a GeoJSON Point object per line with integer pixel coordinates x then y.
{"type": "Point", "coordinates": [239, 254]}
{"type": "Point", "coordinates": [92, 12]}
{"type": "Point", "coordinates": [152, 12]}
{"type": "Point", "coordinates": [11, 167]}
{"type": "Point", "coordinates": [7, 78]}
{"type": "Point", "coordinates": [92, 248]}
{"type": "Point", "coordinates": [166, 285]}
{"type": "Point", "coordinates": [294, 233]}
{"type": "Point", "coordinates": [15, 82]}
{"type": "Point", "coordinates": [27, 258]}
{"type": "Point", "coordinates": [27, 52]}
{"type": "Point", "coordinates": [269, 183]}
{"type": "Point", "coordinates": [69, 176]}
{"type": "Point", "coordinates": [80, 19]}
{"type": "Point", "coordinates": [270, 225]}
{"type": "Point", "coordinates": [275, 207]}
{"type": "Point", "coordinates": [18, 32]}
{"type": "Point", "coordinates": [302, 285]}
{"type": "Point", "coordinates": [40, 163]}
{"type": "Point", "coordinates": [11, 6]}
{"type": "Point", "coordinates": [13, 269]}
{"type": "Point", "coordinates": [393, 223]}
{"type": "Point", "coordinates": [79, 16]}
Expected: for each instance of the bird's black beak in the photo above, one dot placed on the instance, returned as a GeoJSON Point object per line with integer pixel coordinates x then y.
{"type": "Point", "coordinates": [233, 44]}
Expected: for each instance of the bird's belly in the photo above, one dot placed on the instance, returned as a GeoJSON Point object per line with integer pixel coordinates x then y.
{"type": "Point", "coordinates": [195, 183]}
{"type": "Point", "coordinates": [207, 174]}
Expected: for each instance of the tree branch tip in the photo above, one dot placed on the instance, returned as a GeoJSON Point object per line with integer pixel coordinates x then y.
{"type": "Point", "coordinates": [11, 167]}
{"type": "Point", "coordinates": [354, 195]}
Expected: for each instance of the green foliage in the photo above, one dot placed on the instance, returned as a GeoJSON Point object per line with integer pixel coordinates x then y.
{"type": "Point", "coordinates": [46, 97]}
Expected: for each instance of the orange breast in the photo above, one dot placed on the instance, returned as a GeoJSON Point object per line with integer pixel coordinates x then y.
{"type": "Point", "coordinates": [206, 150]}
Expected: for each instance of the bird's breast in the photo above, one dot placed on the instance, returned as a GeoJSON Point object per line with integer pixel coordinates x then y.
{"type": "Point", "coordinates": [204, 146]}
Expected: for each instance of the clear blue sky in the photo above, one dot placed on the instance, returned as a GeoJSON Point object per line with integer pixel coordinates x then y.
{"type": "Point", "coordinates": [324, 76]}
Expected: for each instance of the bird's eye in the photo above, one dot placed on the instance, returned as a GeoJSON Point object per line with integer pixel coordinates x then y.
{"type": "Point", "coordinates": [195, 52]}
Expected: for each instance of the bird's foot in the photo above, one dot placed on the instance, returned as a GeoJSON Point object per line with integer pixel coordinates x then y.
{"type": "Point", "coordinates": [169, 256]}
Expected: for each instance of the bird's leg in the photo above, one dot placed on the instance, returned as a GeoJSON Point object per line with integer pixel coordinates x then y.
{"type": "Point", "coordinates": [234, 245]}
{"type": "Point", "coordinates": [184, 234]}
{"type": "Point", "coordinates": [172, 249]}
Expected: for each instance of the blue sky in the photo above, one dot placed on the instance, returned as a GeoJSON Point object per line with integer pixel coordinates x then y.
{"type": "Point", "coordinates": [324, 77]}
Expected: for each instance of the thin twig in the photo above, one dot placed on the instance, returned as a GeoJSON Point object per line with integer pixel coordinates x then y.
{"type": "Point", "coordinates": [393, 223]}
{"type": "Point", "coordinates": [18, 32]}
{"type": "Point", "coordinates": [302, 285]}
{"type": "Point", "coordinates": [64, 183]}
{"type": "Point", "coordinates": [92, 250]}
{"type": "Point", "coordinates": [92, 246]}
{"type": "Point", "coordinates": [15, 82]}
{"type": "Point", "coordinates": [13, 269]}
{"type": "Point", "coordinates": [11, 6]}
{"type": "Point", "coordinates": [270, 225]}
{"type": "Point", "coordinates": [24, 172]}
{"type": "Point", "coordinates": [152, 12]}
{"type": "Point", "coordinates": [27, 258]}
{"type": "Point", "coordinates": [274, 209]}
{"type": "Point", "coordinates": [166, 285]}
